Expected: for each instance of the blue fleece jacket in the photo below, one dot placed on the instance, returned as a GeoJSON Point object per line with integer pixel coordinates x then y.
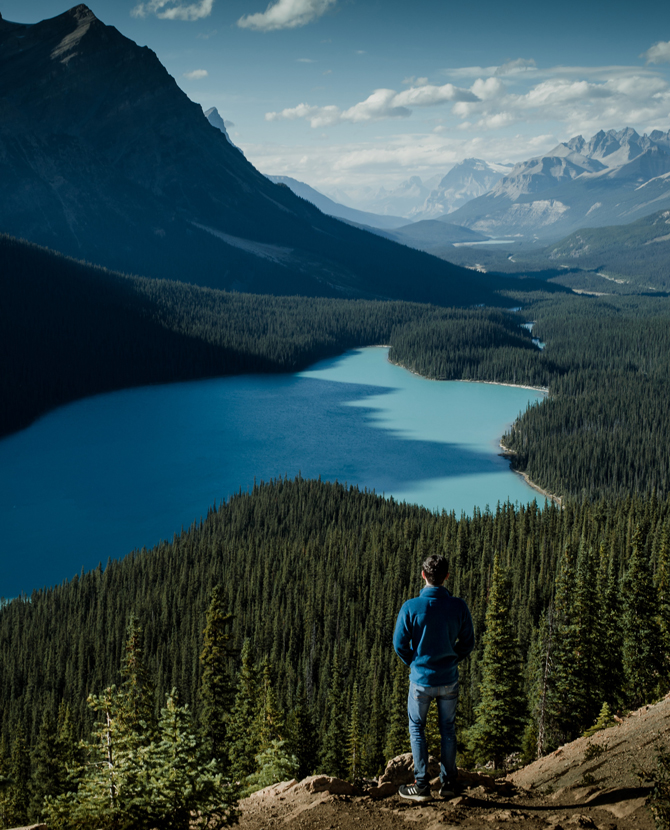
{"type": "Point", "coordinates": [433, 633]}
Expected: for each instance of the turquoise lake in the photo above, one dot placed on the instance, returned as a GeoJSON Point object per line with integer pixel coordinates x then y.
{"type": "Point", "coordinates": [106, 475]}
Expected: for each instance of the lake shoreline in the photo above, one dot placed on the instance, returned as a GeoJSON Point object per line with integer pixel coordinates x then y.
{"type": "Point", "coordinates": [505, 452]}
{"type": "Point", "coordinates": [543, 389]}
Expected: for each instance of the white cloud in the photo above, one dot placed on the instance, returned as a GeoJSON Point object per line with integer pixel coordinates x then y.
{"type": "Point", "coordinates": [286, 14]}
{"type": "Point", "coordinates": [304, 60]}
{"type": "Point", "coordinates": [381, 104]}
{"type": "Point", "coordinates": [515, 67]}
{"type": "Point", "coordinates": [658, 53]}
{"type": "Point", "coordinates": [196, 74]}
{"type": "Point", "coordinates": [174, 10]}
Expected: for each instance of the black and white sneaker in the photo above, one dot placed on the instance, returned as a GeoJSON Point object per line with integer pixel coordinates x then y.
{"type": "Point", "coordinates": [450, 789]}
{"type": "Point", "coordinates": [415, 792]}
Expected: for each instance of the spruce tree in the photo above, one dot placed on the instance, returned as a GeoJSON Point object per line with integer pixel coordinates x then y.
{"type": "Point", "coordinates": [303, 741]}
{"type": "Point", "coordinates": [269, 720]}
{"type": "Point", "coordinates": [397, 735]}
{"type": "Point", "coordinates": [180, 786]}
{"type": "Point", "coordinates": [242, 748]}
{"type": "Point", "coordinates": [48, 771]}
{"type": "Point", "coordinates": [137, 688]}
{"type": "Point", "coordinates": [19, 773]}
{"type": "Point", "coordinates": [216, 690]}
{"type": "Point", "coordinates": [5, 781]}
{"type": "Point", "coordinates": [273, 764]}
{"type": "Point", "coordinates": [355, 737]}
{"type": "Point", "coordinates": [334, 747]}
{"type": "Point", "coordinates": [641, 634]}
{"type": "Point", "coordinates": [500, 715]}
{"type": "Point", "coordinates": [662, 582]}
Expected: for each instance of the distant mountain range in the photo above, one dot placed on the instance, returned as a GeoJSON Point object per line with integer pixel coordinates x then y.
{"type": "Point", "coordinates": [415, 199]}
{"type": "Point", "coordinates": [332, 208]}
{"type": "Point", "coordinates": [464, 182]}
{"type": "Point", "coordinates": [104, 158]}
{"type": "Point", "coordinates": [613, 178]}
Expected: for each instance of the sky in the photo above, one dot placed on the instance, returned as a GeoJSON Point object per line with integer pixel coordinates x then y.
{"type": "Point", "coordinates": [353, 94]}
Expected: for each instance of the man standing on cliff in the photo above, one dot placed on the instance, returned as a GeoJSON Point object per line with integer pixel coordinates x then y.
{"type": "Point", "coordinates": [432, 635]}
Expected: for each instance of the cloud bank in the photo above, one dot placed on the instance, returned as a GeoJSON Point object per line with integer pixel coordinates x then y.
{"type": "Point", "coordinates": [174, 10]}
{"type": "Point", "coordinates": [579, 99]}
{"type": "Point", "coordinates": [285, 14]}
{"type": "Point", "coordinates": [196, 74]}
{"type": "Point", "coordinates": [381, 104]}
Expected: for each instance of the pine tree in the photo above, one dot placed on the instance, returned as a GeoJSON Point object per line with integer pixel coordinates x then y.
{"type": "Point", "coordinates": [355, 737]}
{"type": "Point", "coordinates": [216, 691]}
{"type": "Point", "coordinates": [662, 582]}
{"type": "Point", "coordinates": [303, 739]}
{"type": "Point", "coordinates": [180, 787]}
{"type": "Point", "coordinates": [242, 749]}
{"type": "Point", "coordinates": [48, 771]}
{"type": "Point", "coordinates": [137, 689]}
{"type": "Point", "coordinates": [567, 690]}
{"type": "Point", "coordinates": [128, 783]}
{"type": "Point", "coordinates": [334, 748]}
{"type": "Point", "coordinates": [603, 721]}
{"type": "Point", "coordinates": [5, 781]}
{"type": "Point", "coordinates": [500, 715]}
{"type": "Point", "coordinates": [397, 735]}
{"type": "Point", "coordinates": [641, 634]}
{"type": "Point", "coordinates": [274, 764]}
{"type": "Point", "coordinates": [269, 720]}
{"type": "Point", "coordinates": [19, 773]}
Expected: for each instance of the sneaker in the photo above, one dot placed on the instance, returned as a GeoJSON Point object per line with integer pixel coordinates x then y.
{"type": "Point", "coordinates": [415, 792]}
{"type": "Point", "coordinates": [450, 789]}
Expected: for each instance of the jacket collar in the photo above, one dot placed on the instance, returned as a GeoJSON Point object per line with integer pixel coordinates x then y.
{"type": "Point", "coordinates": [434, 591]}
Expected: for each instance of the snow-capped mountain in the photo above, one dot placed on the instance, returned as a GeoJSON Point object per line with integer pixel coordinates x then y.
{"type": "Point", "coordinates": [613, 178]}
{"type": "Point", "coordinates": [464, 182]}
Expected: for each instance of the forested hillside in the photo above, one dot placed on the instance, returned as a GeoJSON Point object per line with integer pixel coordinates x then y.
{"type": "Point", "coordinates": [68, 329]}
{"type": "Point", "coordinates": [314, 575]}
{"type": "Point", "coordinates": [604, 428]}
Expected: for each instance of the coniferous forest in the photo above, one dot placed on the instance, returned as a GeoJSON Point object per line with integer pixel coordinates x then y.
{"type": "Point", "coordinates": [303, 580]}
{"type": "Point", "coordinates": [261, 638]}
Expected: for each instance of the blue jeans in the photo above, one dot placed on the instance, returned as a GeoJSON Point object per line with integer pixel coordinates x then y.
{"type": "Point", "coordinates": [418, 702]}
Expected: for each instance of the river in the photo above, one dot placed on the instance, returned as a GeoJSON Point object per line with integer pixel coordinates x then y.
{"type": "Point", "coordinates": [105, 475]}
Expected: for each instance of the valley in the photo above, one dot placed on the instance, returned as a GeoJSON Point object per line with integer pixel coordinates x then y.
{"type": "Point", "coordinates": [216, 489]}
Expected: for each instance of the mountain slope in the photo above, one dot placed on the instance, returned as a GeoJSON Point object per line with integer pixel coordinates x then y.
{"type": "Point", "coordinates": [464, 182]}
{"type": "Point", "coordinates": [613, 178]}
{"type": "Point", "coordinates": [104, 158]}
{"type": "Point", "coordinates": [331, 208]}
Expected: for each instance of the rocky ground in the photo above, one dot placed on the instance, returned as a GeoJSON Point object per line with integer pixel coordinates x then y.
{"type": "Point", "coordinates": [595, 782]}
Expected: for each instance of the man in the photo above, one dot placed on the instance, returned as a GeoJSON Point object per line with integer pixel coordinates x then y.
{"type": "Point", "coordinates": [432, 635]}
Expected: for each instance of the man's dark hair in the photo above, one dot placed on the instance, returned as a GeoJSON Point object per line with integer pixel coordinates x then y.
{"type": "Point", "coordinates": [436, 569]}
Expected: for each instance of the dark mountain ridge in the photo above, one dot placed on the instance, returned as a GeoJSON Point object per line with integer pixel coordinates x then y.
{"type": "Point", "coordinates": [104, 158]}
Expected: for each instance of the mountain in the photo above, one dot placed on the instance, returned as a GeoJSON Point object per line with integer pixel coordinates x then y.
{"type": "Point", "coordinates": [406, 199]}
{"type": "Point", "coordinates": [433, 235]}
{"type": "Point", "coordinates": [613, 178]}
{"type": "Point", "coordinates": [465, 181]}
{"type": "Point", "coordinates": [104, 158]}
{"type": "Point", "coordinates": [214, 118]}
{"type": "Point", "coordinates": [332, 208]}
{"type": "Point", "coordinates": [639, 251]}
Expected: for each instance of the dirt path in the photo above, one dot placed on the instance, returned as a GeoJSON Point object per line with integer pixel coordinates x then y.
{"type": "Point", "coordinates": [576, 786]}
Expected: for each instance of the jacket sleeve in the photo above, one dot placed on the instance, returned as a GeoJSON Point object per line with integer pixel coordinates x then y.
{"type": "Point", "coordinates": [466, 636]}
{"type": "Point", "coordinates": [402, 637]}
